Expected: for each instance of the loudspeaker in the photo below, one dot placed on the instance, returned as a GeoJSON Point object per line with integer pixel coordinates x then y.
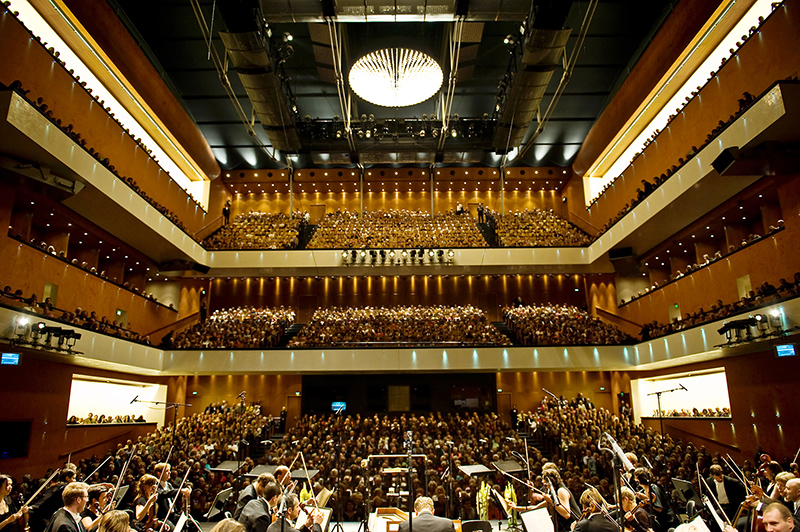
{"type": "Point", "coordinates": [725, 160]}
{"type": "Point", "coordinates": [620, 253]}
{"type": "Point", "coordinates": [328, 10]}
{"type": "Point", "coordinates": [462, 8]}
{"type": "Point", "coordinates": [200, 267]}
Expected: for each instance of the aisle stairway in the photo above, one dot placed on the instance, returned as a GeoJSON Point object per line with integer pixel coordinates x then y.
{"type": "Point", "coordinates": [290, 333]}
{"type": "Point", "coordinates": [504, 329]}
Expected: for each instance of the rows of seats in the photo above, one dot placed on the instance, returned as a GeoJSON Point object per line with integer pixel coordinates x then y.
{"type": "Point", "coordinates": [536, 228]}
{"type": "Point", "coordinates": [235, 328]}
{"type": "Point", "coordinates": [549, 324]}
{"type": "Point", "coordinates": [258, 230]}
{"type": "Point", "coordinates": [416, 325]}
{"type": "Point", "coordinates": [395, 229]}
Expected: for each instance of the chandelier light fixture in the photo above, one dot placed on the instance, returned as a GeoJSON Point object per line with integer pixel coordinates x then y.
{"type": "Point", "coordinates": [396, 77]}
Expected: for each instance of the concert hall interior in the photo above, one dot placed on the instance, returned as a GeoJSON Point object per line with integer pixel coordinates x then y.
{"type": "Point", "coordinates": [215, 218]}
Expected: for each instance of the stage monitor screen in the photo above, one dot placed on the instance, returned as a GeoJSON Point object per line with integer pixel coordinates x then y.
{"type": "Point", "coordinates": [785, 350]}
{"type": "Point", "coordinates": [9, 359]}
{"type": "Point", "coordinates": [15, 440]}
{"type": "Point", "coordinates": [338, 406]}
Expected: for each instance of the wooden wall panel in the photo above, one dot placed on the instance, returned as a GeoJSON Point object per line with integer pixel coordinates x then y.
{"type": "Point", "coordinates": [270, 390]}
{"type": "Point", "coordinates": [39, 391]}
{"type": "Point", "coordinates": [753, 70]}
{"type": "Point", "coordinates": [770, 259]}
{"type": "Point", "coordinates": [24, 59]}
{"type": "Point", "coordinates": [763, 395]}
{"type": "Point", "coordinates": [308, 293]}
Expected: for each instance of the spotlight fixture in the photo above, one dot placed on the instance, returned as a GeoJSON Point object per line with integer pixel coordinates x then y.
{"type": "Point", "coordinates": [451, 253]}
{"type": "Point", "coordinates": [287, 37]}
{"type": "Point", "coordinates": [453, 133]}
{"type": "Point", "coordinates": [404, 253]}
{"type": "Point", "coordinates": [363, 253]}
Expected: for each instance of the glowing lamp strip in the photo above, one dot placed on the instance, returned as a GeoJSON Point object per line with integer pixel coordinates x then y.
{"type": "Point", "coordinates": [396, 77]}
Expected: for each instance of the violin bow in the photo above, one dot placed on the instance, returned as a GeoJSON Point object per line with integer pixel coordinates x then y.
{"type": "Point", "coordinates": [175, 499]}
{"type": "Point", "coordinates": [113, 503]}
{"type": "Point", "coordinates": [42, 487]}
{"type": "Point", "coordinates": [308, 478]}
{"type": "Point", "coordinates": [736, 473]}
{"type": "Point", "coordinates": [711, 495]}
{"type": "Point", "coordinates": [98, 469]}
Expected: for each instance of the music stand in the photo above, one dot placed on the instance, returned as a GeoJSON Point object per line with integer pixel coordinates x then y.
{"type": "Point", "coordinates": [300, 474]}
{"type": "Point", "coordinates": [259, 470]}
{"type": "Point", "coordinates": [501, 503]}
{"type": "Point", "coordinates": [219, 503]}
{"type": "Point", "coordinates": [474, 470]}
{"type": "Point", "coordinates": [120, 494]}
{"type": "Point", "coordinates": [228, 466]}
{"type": "Point", "coordinates": [687, 491]}
{"type": "Point", "coordinates": [509, 466]}
{"type": "Point", "coordinates": [536, 521]}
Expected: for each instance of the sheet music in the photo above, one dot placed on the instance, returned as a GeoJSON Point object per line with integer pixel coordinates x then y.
{"type": "Point", "coordinates": [698, 525]}
{"type": "Point", "coordinates": [303, 517]}
{"type": "Point", "coordinates": [537, 520]}
{"type": "Point", "coordinates": [181, 522]}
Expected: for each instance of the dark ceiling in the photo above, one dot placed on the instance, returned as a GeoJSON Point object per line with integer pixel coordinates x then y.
{"type": "Point", "coordinates": [170, 35]}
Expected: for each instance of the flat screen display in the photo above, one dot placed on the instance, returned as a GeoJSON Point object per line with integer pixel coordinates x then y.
{"type": "Point", "coordinates": [15, 440]}
{"type": "Point", "coordinates": [9, 359]}
{"type": "Point", "coordinates": [786, 350]}
{"type": "Point", "coordinates": [338, 406]}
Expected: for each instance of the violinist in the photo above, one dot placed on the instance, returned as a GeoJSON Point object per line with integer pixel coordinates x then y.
{"type": "Point", "coordinates": [253, 491]}
{"type": "Point", "coordinates": [67, 519]}
{"type": "Point", "coordinates": [12, 518]}
{"type": "Point", "coordinates": [770, 470]}
{"type": "Point", "coordinates": [594, 517]}
{"type": "Point", "coordinates": [792, 497]}
{"type": "Point", "coordinates": [291, 504]}
{"type": "Point", "coordinates": [50, 500]}
{"type": "Point", "coordinates": [98, 499]}
{"type": "Point", "coordinates": [146, 505]}
{"type": "Point", "coordinates": [257, 514]}
{"type": "Point", "coordinates": [662, 515]}
{"type": "Point", "coordinates": [166, 491]}
{"type": "Point", "coordinates": [282, 475]}
{"type": "Point", "coordinates": [564, 505]}
{"type": "Point", "coordinates": [114, 521]}
{"type": "Point", "coordinates": [636, 517]}
{"type": "Point", "coordinates": [778, 518]}
{"type": "Point", "coordinates": [730, 492]}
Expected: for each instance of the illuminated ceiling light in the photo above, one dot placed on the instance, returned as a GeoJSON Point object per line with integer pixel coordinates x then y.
{"type": "Point", "coordinates": [396, 77]}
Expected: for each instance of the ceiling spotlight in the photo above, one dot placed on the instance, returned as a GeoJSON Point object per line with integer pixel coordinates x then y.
{"type": "Point", "coordinates": [404, 253]}
{"type": "Point", "coordinates": [509, 40]}
{"type": "Point", "coordinates": [421, 132]}
{"type": "Point", "coordinates": [368, 133]}
{"type": "Point", "coordinates": [362, 253]}
{"type": "Point", "coordinates": [453, 133]}
{"type": "Point", "coordinates": [338, 133]}
{"type": "Point", "coordinates": [391, 254]}
{"type": "Point", "coordinates": [287, 37]}
{"type": "Point", "coordinates": [451, 253]}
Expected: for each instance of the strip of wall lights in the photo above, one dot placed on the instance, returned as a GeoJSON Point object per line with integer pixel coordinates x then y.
{"type": "Point", "coordinates": [623, 160]}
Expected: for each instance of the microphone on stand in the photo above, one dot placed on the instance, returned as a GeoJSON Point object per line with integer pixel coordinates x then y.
{"type": "Point", "coordinates": [241, 395]}
{"type": "Point", "coordinates": [683, 387]}
{"type": "Point", "coordinates": [134, 399]}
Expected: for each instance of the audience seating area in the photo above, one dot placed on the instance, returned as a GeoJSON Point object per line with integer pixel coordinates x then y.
{"type": "Point", "coordinates": [396, 229]}
{"type": "Point", "coordinates": [560, 325]}
{"type": "Point", "coordinates": [402, 325]}
{"type": "Point", "coordinates": [258, 230]}
{"type": "Point", "coordinates": [536, 228]}
{"type": "Point", "coordinates": [235, 328]}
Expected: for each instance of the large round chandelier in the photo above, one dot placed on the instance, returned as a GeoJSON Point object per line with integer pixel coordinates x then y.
{"type": "Point", "coordinates": [396, 77]}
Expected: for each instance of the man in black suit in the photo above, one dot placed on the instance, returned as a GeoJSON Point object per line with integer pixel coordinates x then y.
{"type": "Point", "coordinates": [291, 504]}
{"type": "Point", "coordinates": [792, 496]}
{"type": "Point", "coordinates": [68, 518]}
{"type": "Point", "coordinates": [727, 490]}
{"type": "Point", "coordinates": [424, 520]}
{"type": "Point", "coordinates": [256, 516]}
{"type": "Point", "coordinates": [252, 492]}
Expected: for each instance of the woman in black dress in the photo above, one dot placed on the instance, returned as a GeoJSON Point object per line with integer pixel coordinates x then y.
{"type": "Point", "coordinates": [12, 518]}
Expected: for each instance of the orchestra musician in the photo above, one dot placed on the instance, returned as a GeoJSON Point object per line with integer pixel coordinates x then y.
{"type": "Point", "coordinates": [291, 504]}
{"type": "Point", "coordinates": [778, 518]}
{"type": "Point", "coordinates": [51, 499]}
{"type": "Point", "coordinates": [594, 517]}
{"type": "Point", "coordinates": [252, 492]}
{"type": "Point", "coordinates": [565, 506]}
{"type": "Point", "coordinates": [98, 498]}
{"type": "Point", "coordinates": [636, 517]}
{"type": "Point", "coordinates": [792, 496]}
{"type": "Point", "coordinates": [424, 520]}
{"type": "Point", "coordinates": [67, 519]}
{"type": "Point", "coordinates": [663, 517]}
{"type": "Point", "coordinates": [166, 491]}
{"type": "Point", "coordinates": [114, 521]}
{"type": "Point", "coordinates": [282, 475]}
{"type": "Point", "coordinates": [10, 514]}
{"type": "Point", "coordinates": [256, 516]}
{"type": "Point", "coordinates": [146, 505]}
{"type": "Point", "coordinates": [727, 490]}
